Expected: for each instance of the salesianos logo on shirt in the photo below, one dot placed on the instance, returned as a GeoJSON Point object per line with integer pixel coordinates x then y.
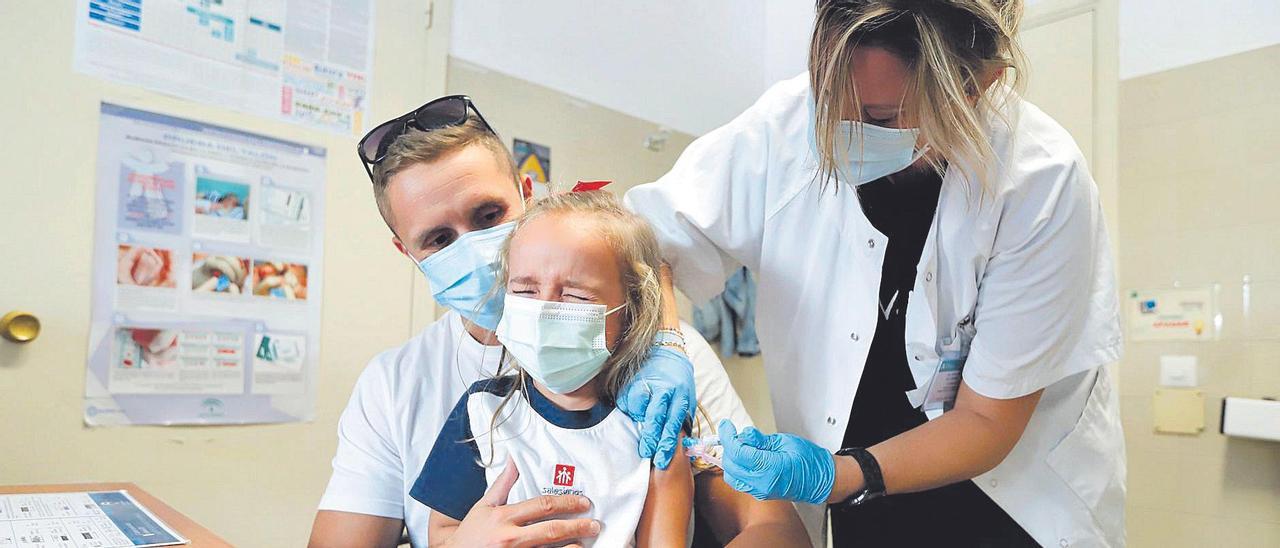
{"type": "Point", "coordinates": [563, 475]}
{"type": "Point", "coordinates": [563, 478]}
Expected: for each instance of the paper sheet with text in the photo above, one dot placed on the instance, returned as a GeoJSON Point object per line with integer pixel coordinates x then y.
{"type": "Point", "coordinates": [105, 519]}
{"type": "Point", "coordinates": [303, 61]}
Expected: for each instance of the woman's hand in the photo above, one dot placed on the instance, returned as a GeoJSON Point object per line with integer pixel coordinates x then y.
{"type": "Point", "coordinates": [661, 397]}
{"type": "Point", "coordinates": [776, 466]}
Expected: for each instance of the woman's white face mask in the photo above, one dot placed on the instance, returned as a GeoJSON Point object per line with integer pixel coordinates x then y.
{"type": "Point", "coordinates": [875, 151]}
{"type": "Point", "coordinates": [561, 345]}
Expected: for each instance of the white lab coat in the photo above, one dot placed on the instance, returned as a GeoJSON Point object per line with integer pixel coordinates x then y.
{"type": "Point", "coordinates": [1020, 275]}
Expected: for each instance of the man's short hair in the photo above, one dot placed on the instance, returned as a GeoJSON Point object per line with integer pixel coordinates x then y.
{"type": "Point", "coordinates": [424, 147]}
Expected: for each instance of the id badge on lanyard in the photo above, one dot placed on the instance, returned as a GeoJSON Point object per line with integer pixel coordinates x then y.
{"type": "Point", "coordinates": [945, 384]}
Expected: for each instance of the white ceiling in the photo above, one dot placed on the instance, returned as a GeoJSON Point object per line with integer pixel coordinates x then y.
{"type": "Point", "coordinates": [694, 65]}
{"type": "Point", "coordinates": [1154, 37]}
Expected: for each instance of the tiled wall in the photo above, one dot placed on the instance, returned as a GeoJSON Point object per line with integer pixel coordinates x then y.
{"type": "Point", "coordinates": [1199, 203]}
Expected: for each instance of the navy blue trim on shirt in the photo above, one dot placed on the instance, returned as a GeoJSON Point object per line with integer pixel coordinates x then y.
{"type": "Point", "coordinates": [572, 420]}
{"type": "Point", "coordinates": [453, 478]}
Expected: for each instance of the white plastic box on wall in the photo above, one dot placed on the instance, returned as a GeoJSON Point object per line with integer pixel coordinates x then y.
{"type": "Point", "coordinates": [1250, 418]}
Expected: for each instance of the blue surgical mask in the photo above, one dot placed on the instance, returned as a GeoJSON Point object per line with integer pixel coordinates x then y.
{"type": "Point", "coordinates": [463, 274]}
{"type": "Point", "coordinates": [561, 345]}
{"type": "Point", "coordinates": [875, 151]}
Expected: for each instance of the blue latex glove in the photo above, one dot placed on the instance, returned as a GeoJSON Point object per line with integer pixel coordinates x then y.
{"type": "Point", "coordinates": [661, 397]}
{"type": "Point", "coordinates": [776, 466]}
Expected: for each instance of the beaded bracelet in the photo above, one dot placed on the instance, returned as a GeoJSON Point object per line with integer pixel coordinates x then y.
{"type": "Point", "coordinates": [669, 337]}
{"type": "Point", "coordinates": [674, 333]}
{"type": "Point", "coordinates": [670, 344]}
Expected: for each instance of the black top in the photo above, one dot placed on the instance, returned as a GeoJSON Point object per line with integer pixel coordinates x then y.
{"type": "Point", "coordinates": [902, 207]}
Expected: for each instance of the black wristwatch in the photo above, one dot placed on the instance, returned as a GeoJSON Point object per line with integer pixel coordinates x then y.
{"type": "Point", "coordinates": [872, 479]}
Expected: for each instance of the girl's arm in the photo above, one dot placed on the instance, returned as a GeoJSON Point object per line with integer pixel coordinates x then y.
{"type": "Point", "coordinates": [669, 503]}
{"type": "Point", "coordinates": [665, 520]}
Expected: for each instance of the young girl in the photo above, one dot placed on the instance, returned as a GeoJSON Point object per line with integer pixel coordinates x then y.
{"type": "Point", "coordinates": [582, 309]}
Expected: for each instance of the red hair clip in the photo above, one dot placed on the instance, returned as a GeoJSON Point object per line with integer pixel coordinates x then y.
{"type": "Point", "coordinates": [586, 186]}
{"type": "Point", "coordinates": [526, 186]}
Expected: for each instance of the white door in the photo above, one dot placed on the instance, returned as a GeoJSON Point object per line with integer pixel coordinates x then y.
{"type": "Point", "coordinates": [1071, 47]}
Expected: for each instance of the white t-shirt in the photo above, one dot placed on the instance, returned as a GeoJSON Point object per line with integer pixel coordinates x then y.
{"type": "Point", "coordinates": [402, 399]}
{"type": "Point", "coordinates": [589, 452]}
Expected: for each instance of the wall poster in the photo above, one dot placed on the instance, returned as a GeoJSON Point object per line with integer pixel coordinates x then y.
{"type": "Point", "coordinates": [207, 274]}
{"type": "Point", "coordinates": [302, 61]}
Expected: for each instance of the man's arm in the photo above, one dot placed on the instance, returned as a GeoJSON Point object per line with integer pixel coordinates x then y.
{"type": "Point", "coordinates": [739, 520]}
{"type": "Point", "coordinates": [362, 505]}
{"type": "Point", "coordinates": [334, 529]}
{"type": "Point", "coordinates": [440, 529]}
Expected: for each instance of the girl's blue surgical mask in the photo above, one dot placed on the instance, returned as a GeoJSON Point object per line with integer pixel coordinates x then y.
{"type": "Point", "coordinates": [875, 151]}
{"type": "Point", "coordinates": [561, 345]}
{"type": "Point", "coordinates": [463, 274]}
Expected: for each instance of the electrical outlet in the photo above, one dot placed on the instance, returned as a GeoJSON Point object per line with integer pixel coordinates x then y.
{"type": "Point", "coordinates": [1179, 371]}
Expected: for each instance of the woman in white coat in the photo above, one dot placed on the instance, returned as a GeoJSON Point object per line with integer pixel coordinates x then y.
{"type": "Point", "coordinates": [937, 306]}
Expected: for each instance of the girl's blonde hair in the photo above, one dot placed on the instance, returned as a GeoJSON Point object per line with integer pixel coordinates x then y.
{"type": "Point", "coordinates": [639, 259]}
{"type": "Point", "coordinates": [635, 247]}
{"type": "Point", "coordinates": [949, 46]}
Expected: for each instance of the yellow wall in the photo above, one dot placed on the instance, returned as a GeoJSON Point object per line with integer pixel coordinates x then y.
{"type": "Point", "coordinates": [1199, 188]}
{"type": "Point", "coordinates": [255, 485]}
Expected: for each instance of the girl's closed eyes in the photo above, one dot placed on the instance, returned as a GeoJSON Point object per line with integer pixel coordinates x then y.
{"type": "Point", "coordinates": [582, 307]}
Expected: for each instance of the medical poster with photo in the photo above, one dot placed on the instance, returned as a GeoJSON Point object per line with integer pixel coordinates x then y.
{"type": "Point", "coordinates": [206, 274]}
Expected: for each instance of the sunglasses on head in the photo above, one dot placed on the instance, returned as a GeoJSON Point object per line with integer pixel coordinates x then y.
{"type": "Point", "coordinates": [453, 110]}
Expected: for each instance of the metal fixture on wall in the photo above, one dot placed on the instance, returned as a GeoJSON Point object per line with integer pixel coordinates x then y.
{"type": "Point", "coordinates": [20, 327]}
{"type": "Point", "coordinates": [657, 140]}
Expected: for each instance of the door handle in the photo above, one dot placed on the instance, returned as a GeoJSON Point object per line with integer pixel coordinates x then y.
{"type": "Point", "coordinates": [19, 326]}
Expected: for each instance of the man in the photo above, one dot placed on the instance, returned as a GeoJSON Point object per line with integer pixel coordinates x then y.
{"type": "Point", "coordinates": [446, 186]}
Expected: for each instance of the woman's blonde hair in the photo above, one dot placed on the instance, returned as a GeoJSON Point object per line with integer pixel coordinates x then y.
{"type": "Point", "coordinates": [950, 48]}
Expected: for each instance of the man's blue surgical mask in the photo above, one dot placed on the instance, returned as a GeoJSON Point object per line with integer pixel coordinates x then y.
{"type": "Point", "coordinates": [463, 274]}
